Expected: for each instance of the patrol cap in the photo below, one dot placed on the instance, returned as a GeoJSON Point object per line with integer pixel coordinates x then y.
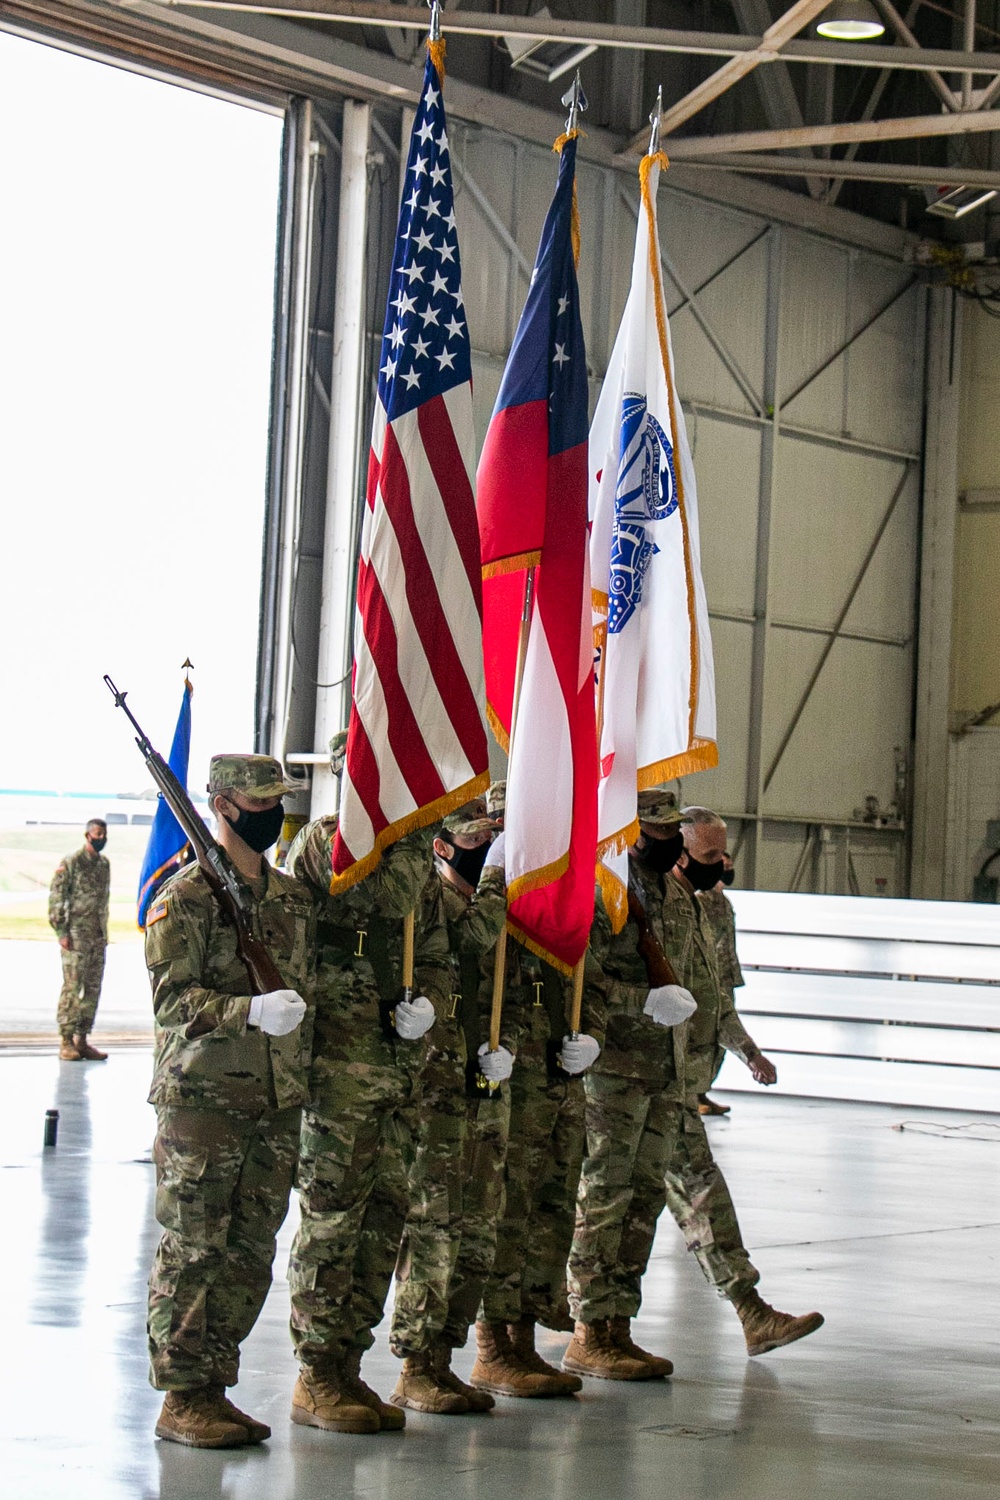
{"type": "Point", "coordinates": [338, 752]}
{"type": "Point", "coordinates": [254, 775]}
{"type": "Point", "coordinates": [496, 799]}
{"type": "Point", "coordinates": [467, 823]}
{"type": "Point", "coordinates": [658, 807]}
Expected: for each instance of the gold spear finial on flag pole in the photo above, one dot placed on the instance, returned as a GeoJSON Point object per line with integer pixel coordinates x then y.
{"type": "Point", "coordinates": [187, 665]}
{"type": "Point", "coordinates": [654, 123]}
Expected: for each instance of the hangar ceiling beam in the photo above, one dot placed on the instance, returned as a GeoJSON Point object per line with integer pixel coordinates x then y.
{"type": "Point", "coordinates": [606, 34]}
{"type": "Point", "coordinates": [948, 98]}
{"type": "Point", "coordinates": [916, 127]}
{"type": "Point", "coordinates": [857, 171]}
{"type": "Point", "coordinates": [777, 91]}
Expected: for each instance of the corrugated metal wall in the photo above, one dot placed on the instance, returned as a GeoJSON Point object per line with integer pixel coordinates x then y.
{"type": "Point", "coordinates": [800, 365]}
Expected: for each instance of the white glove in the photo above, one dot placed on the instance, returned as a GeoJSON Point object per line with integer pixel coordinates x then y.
{"type": "Point", "coordinates": [278, 1012]}
{"type": "Point", "coordinates": [669, 1005]}
{"type": "Point", "coordinates": [578, 1053]}
{"type": "Point", "coordinates": [498, 1065]}
{"type": "Point", "coordinates": [414, 1017]}
{"type": "Point", "coordinates": [494, 858]}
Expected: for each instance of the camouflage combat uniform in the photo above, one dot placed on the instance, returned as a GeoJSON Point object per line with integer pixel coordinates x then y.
{"type": "Point", "coordinates": [229, 1103]}
{"type": "Point", "coordinates": [78, 909]}
{"type": "Point", "coordinates": [644, 1147]}
{"type": "Point", "coordinates": [545, 1154]}
{"type": "Point", "coordinates": [730, 1033]}
{"type": "Point", "coordinates": [697, 1194]}
{"type": "Point", "coordinates": [363, 1092]}
{"type": "Point", "coordinates": [474, 926]}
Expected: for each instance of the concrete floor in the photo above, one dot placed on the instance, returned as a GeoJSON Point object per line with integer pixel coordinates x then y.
{"type": "Point", "coordinates": [894, 1235]}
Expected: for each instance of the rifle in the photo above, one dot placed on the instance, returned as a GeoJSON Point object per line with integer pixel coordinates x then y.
{"type": "Point", "coordinates": [659, 970]}
{"type": "Point", "coordinates": [261, 969]}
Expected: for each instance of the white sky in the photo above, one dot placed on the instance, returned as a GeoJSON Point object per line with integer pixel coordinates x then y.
{"type": "Point", "coordinates": [136, 288]}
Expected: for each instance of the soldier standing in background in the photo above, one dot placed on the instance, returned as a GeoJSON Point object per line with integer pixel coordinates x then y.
{"type": "Point", "coordinates": [229, 1081]}
{"type": "Point", "coordinates": [78, 914]}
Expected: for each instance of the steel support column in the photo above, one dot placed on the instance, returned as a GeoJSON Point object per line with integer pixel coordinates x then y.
{"type": "Point", "coordinates": [762, 578]}
{"type": "Point", "coordinates": [287, 417]}
{"type": "Point", "coordinates": [342, 486]}
{"type": "Point", "coordinates": [937, 573]}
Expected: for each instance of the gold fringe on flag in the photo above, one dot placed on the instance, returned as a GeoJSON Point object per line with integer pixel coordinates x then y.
{"type": "Point", "coordinates": [437, 51]}
{"type": "Point", "coordinates": [519, 564]}
{"type": "Point", "coordinates": [574, 221]}
{"type": "Point", "coordinates": [537, 949]}
{"type": "Point", "coordinates": [421, 817]}
{"type": "Point", "coordinates": [659, 158]}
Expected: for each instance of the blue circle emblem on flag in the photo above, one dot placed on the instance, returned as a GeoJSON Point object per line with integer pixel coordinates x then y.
{"type": "Point", "coordinates": [646, 491]}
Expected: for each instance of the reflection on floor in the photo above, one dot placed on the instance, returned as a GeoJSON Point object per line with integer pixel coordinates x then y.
{"type": "Point", "coordinates": [894, 1235]}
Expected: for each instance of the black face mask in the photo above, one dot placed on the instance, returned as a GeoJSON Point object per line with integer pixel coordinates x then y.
{"type": "Point", "coordinates": [728, 876]}
{"type": "Point", "coordinates": [258, 830]}
{"type": "Point", "coordinates": [468, 863]}
{"type": "Point", "coordinates": [662, 854]}
{"type": "Point", "coordinates": [97, 844]}
{"type": "Point", "coordinates": [703, 877]}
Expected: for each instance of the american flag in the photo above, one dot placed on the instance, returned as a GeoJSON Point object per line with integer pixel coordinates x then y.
{"type": "Point", "coordinates": [416, 744]}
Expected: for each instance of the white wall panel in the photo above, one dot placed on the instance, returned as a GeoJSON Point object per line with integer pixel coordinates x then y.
{"type": "Point", "coordinates": [828, 494]}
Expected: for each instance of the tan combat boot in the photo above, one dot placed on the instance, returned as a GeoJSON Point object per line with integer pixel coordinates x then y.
{"type": "Point", "coordinates": [390, 1417]}
{"type": "Point", "coordinates": [764, 1328]}
{"type": "Point", "coordinates": [419, 1387]}
{"type": "Point", "coordinates": [621, 1336]}
{"type": "Point", "coordinates": [522, 1342]}
{"type": "Point", "coordinates": [68, 1052]}
{"type": "Point", "coordinates": [323, 1398]}
{"type": "Point", "coordinates": [498, 1368]}
{"type": "Point", "coordinates": [199, 1419]}
{"type": "Point", "coordinates": [592, 1352]}
{"type": "Point", "coordinates": [478, 1400]}
{"type": "Point", "coordinates": [257, 1432]}
{"type": "Point", "coordinates": [87, 1052]}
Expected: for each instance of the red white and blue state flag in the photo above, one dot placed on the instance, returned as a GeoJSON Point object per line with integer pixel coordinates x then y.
{"type": "Point", "coordinates": [416, 742]}
{"type": "Point", "coordinates": [532, 483]}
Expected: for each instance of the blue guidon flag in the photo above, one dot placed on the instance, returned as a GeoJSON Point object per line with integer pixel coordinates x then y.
{"type": "Point", "coordinates": [416, 743]}
{"type": "Point", "coordinates": [168, 849]}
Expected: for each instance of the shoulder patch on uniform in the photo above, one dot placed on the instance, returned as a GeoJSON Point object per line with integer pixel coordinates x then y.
{"type": "Point", "coordinates": [156, 912]}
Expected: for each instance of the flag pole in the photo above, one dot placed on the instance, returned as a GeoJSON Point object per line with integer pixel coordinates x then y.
{"type": "Point", "coordinates": [500, 956]}
{"type": "Point", "coordinates": [436, 47]}
{"type": "Point", "coordinates": [575, 101]}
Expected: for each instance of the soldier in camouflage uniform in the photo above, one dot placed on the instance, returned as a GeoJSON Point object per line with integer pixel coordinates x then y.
{"type": "Point", "coordinates": [369, 1057]}
{"type": "Point", "coordinates": [547, 1135]}
{"type": "Point", "coordinates": [462, 1071]}
{"type": "Point", "coordinates": [646, 1141]}
{"type": "Point", "coordinates": [78, 914]}
{"type": "Point", "coordinates": [731, 1035]}
{"type": "Point", "coordinates": [634, 1109]}
{"type": "Point", "coordinates": [229, 1081]}
{"type": "Point", "coordinates": [697, 1194]}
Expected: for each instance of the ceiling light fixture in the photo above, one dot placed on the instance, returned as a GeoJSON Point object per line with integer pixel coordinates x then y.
{"type": "Point", "coordinates": [546, 60]}
{"type": "Point", "coordinates": [960, 201]}
{"type": "Point", "coordinates": [850, 21]}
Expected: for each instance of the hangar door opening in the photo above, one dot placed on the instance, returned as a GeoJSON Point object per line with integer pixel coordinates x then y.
{"type": "Point", "coordinates": [136, 301]}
